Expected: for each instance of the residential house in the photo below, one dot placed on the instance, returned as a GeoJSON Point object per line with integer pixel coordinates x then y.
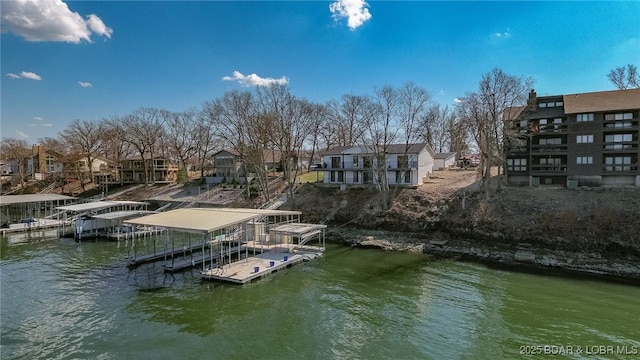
{"type": "Point", "coordinates": [43, 163]}
{"type": "Point", "coordinates": [586, 139]}
{"type": "Point", "coordinates": [228, 164]}
{"type": "Point", "coordinates": [356, 165]}
{"type": "Point", "coordinates": [159, 170]}
{"type": "Point", "coordinates": [8, 167]}
{"type": "Point", "coordinates": [443, 161]}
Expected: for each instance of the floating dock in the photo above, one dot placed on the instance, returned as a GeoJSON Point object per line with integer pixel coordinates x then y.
{"type": "Point", "coordinates": [243, 271]}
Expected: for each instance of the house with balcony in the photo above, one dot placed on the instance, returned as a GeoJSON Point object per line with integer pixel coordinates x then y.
{"type": "Point", "coordinates": [159, 170]}
{"type": "Point", "coordinates": [402, 164]}
{"type": "Point", "coordinates": [586, 139]}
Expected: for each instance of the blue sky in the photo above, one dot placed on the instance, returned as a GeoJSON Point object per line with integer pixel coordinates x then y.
{"type": "Point", "coordinates": [89, 60]}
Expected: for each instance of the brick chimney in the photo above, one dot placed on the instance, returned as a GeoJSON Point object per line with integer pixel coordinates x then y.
{"type": "Point", "coordinates": [533, 98]}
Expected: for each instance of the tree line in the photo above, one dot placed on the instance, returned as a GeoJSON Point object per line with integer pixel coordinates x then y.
{"type": "Point", "coordinates": [250, 120]}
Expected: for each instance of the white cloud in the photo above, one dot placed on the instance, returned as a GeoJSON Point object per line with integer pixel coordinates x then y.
{"type": "Point", "coordinates": [85, 84]}
{"type": "Point", "coordinates": [46, 125]}
{"type": "Point", "coordinates": [97, 26]}
{"type": "Point", "coordinates": [39, 118]}
{"type": "Point", "coordinates": [441, 92]}
{"type": "Point", "coordinates": [31, 125]}
{"type": "Point", "coordinates": [50, 20]}
{"type": "Point", "coordinates": [25, 75]}
{"type": "Point", "coordinates": [502, 35]}
{"type": "Point", "coordinates": [457, 100]}
{"type": "Point", "coordinates": [356, 12]}
{"type": "Point", "coordinates": [22, 134]}
{"type": "Point", "coordinates": [30, 75]}
{"type": "Point", "coordinates": [254, 80]}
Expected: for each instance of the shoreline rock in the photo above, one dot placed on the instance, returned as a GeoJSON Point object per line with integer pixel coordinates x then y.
{"type": "Point", "coordinates": [521, 258]}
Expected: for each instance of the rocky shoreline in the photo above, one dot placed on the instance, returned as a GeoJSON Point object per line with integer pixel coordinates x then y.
{"type": "Point", "coordinates": [523, 257]}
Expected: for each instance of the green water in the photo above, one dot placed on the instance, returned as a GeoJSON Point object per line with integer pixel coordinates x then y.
{"type": "Point", "coordinates": [64, 300]}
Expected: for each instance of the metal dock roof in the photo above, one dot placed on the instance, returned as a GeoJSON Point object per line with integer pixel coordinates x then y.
{"type": "Point", "coordinates": [205, 220]}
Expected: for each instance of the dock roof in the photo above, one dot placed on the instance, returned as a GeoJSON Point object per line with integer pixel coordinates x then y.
{"type": "Point", "coordinates": [115, 215]}
{"type": "Point", "coordinates": [29, 198]}
{"type": "Point", "coordinates": [97, 205]}
{"type": "Point", "coordinates": [206, 220]}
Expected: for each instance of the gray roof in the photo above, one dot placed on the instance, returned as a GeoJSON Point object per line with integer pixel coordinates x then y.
{"type": "Point", "coordinates": [391, 149]}
{"type": "Point", "coordinates": [545, 113]}
{"type": "Point", "coordinates": [21, 199]}
{"type": "Point", "coordinates": [445, 156]}
{"type": "Point", "coordinates": [336, 150]}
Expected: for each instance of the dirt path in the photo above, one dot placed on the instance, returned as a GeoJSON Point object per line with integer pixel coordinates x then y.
{"type": "Point", "coordinates": [443, 184]}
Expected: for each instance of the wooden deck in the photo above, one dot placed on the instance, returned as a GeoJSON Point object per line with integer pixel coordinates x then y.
{"type": "Point", "coordinates": [255, 267]}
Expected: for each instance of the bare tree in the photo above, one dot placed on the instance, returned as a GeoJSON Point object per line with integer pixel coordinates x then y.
{"type": "Point", "coordinates": [483, 114]}
{"type": "Point", "coordinates": [236, 120]}
{"type": "Point", "coordinates": [318, 116]}
{"type": "Point", "coordinates": [625, 77]}
{"type": "Point", "coordinates": [382, 130]}
{"type": "Point", "coordinates": [438, 125]}
{"type": "Point", "coordinates": [206, 141]}
{"type": "Point", "coordinates": [181, 136]}
{"type": "Point", "coordinates": [293, 121]}
{"type": "Point", "coordinates": [143, 129]}
{"type": "Point", "coordinates": [17, 152]}
{"type": "Point", "coordinates": [345, 120]}
{"type": "Point", "coordinates": [115, 148]}
{"type": "Point", "coordinates": [83, 137]}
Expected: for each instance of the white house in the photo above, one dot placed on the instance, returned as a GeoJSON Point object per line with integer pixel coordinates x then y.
{"type": "Point", "coordinates": [444, 160]}
{"type": "Point", "coordinates": [355, 165]}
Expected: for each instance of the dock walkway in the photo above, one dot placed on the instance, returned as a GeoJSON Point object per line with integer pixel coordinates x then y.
{"type": "Point", "coordinates": [255, 267]}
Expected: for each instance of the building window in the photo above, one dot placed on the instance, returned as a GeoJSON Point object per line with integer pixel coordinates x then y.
{"type": "Point", "coordinates": [617, 163]}
{"type": "Point", "coordinates": [516, 164]}
{"type": "Point", "coordinates": [335, 162]}
{"type": "Point", "coordinates": [403, 177]}
{"type": "Point", "coordinates": [542, 122]}
{"type": "Point", "coordinates": [550, 141]}
{"type": "Point", "coordinates": [355, 162]}
{"type": "Point", "coordinates": [585, 117]}
{"type": "Point", "coordinates": [337, 176]}
{"type": "Point", "coordinates": [367, 162]}
{"type": "Point", "coordinates": [616, 141]}
{"type": "Point", "coordinates": [542, 105]}
{"type": "Point", "coordinates": [618, 116]}
{"type": "Point", "coordinates": [559, 103]}
{"type": "Point", "coordinates": [356, 177]}
{"type": "Point", "coordinates": [584, 160]}
{"type": "Point", "coordinates": [584, 139]}
{"type": "Point", "coordinates": [403, 161]}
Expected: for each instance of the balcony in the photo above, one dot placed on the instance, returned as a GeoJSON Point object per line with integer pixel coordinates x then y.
{"type": "Point", "coordinates": [560, 128]}
{"type": "Point", "coordinates": [548, 169]}
{"type": "Point", "coordinates": [621, 169]}
{"type": "Point", "coordinates": [549, 148]}
{"type": "Point", "coordinates": [620, 147]}
{"type": "Point", "coordinates": [620, 125]}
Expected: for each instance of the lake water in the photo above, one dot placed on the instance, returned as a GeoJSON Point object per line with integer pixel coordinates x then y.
{"type": "Point", "coordinates": [61, 300]}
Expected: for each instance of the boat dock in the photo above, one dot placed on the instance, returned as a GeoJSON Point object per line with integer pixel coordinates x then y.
{"type": "Point", "coordinates": [243, 244]}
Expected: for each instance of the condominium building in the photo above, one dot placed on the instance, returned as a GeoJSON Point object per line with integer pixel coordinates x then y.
{"type": "Point", "coordinates": [587, 139]}
{"type": "Point", "coordinates": [401, 164]}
